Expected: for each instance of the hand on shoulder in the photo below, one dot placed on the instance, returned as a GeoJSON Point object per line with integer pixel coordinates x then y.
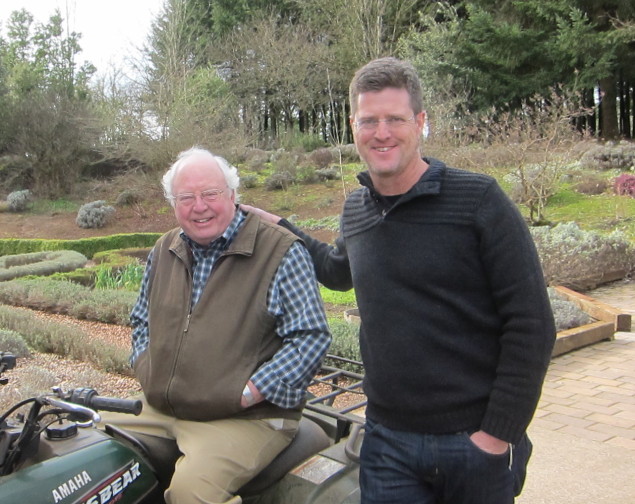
{"type": "Point", "coordinates": [266, 216]}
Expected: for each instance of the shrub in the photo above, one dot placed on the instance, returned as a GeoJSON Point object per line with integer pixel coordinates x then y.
{"type": "Point", "coordinates": [94, 215]}
{"type": "Point", "coordinates": [566, 314]}
{"type": "Point", "coordinates": [533, 185]}
{"type": "Point", "coordinates": [62, 339]}
{"type": "Point", "coordinates": [328, 174]}
{"type": "Point", "coordinates": [249, 181]}
{"type": "Point", "coordinates": [256, 159]}
{"type": "Point", "coordinates": [321, 157]}
{"type": "Point", "coordinates": [110, 306]}
{"type": "Point", "coordinates": [128, 197]}
{"type": "Point", "coordinates": [105, 305]}
{"type": "Point", "coordinates": [579, 259]}
{"type": "Point", "coordinates": [40, 263]}
{"type": "Point", "coordinates": [307, 175]}
{"type": "Point", "coordinates": [18, 201]}
{"type": "Point", "coordinates": [87, 246]}
{"type": "Point", "coordinates": [624, 185]}
{"type": "Point", "coordinates": [279, 181]}
{"type": "Point", "coordinates": [610, 156]}
{"type": "Point", "coordinates": [591, 185]}
{"type": "Point", "coordinates": [11, 341]}
{"type": "Point", "coordinates": [286, 162]}
{"type": "Point", "coordinates": [346, 153]}
{"type": "Point", "coordinates": [296, 140]}
{"type": "Point", "coordinates": [345, 341]}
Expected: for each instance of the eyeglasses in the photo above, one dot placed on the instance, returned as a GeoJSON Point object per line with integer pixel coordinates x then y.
{"type": "Point", "coordinates": [188, 199]}
{"type": "Point", "coordinates": [392, 123]}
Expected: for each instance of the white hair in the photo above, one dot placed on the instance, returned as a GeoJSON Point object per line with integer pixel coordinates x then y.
{"type": "Point", "coordinates": [184, 158]}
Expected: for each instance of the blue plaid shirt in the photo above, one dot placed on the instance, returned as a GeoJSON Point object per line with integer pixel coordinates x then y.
{"type": "Point", "coordinates": [293, 299]}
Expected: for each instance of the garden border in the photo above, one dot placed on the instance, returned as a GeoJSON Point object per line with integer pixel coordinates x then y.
{"type": "Point", "coordinates": [609, 320]}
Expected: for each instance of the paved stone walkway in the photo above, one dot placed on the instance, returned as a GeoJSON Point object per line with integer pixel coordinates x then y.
{"type": "Point", "coordinates": [590, 393]}
{"type": "Point", "coordinates": [584, 428]}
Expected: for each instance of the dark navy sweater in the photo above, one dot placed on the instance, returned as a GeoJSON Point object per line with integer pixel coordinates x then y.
{"type": "Point", "coordinates": [457, 329]}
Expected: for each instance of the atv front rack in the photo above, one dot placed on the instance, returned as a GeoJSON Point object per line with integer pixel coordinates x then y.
{"type": "Point", "coordinates": [337, 390]}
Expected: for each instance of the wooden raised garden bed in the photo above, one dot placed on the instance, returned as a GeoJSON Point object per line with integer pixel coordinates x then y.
{"type": "Point", "coordinates": [609, 320]}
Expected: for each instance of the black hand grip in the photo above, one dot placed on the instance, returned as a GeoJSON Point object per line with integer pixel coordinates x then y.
{"type": "Point", "coordinates": [132, 406]}
{"type": "Point", "coordinates": [88, 397]}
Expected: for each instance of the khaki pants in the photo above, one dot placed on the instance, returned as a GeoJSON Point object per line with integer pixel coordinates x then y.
{"type": "Point", "coordinates": [218, 457]}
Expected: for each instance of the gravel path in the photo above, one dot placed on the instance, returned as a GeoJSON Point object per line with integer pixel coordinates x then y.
{"type": "Point", "coordinates": [38, 373]}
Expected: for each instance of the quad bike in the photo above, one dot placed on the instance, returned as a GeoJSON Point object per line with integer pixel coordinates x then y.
{"type": "Point", "coordinates": [56, 451]}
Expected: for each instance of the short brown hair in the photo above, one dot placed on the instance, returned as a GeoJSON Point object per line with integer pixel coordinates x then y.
{"type": "Point", "coordinates": [385, 73]}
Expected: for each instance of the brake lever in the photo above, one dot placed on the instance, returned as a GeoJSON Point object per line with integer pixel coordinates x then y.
{"type": "Point", "coordinates": [73, 408]}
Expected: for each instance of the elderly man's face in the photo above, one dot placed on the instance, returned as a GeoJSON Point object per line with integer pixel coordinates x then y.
{"type": "Point", "coordinates": [202, 220]}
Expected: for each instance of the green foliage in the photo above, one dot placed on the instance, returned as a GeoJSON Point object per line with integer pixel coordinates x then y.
{"type": "Point", "coordinates": [121, 258]}
{"type": "Point", "coordinates": [62, 339]}
{"type": "Point", "coordinates": [86, 246]}
{"type": "Point", "coordinates": [46, 206]}
{"type": "Point", "coordinates": [128, 278]}
{"type": "Point", "coordinates": [40, 263]}
{"type": "Point", "coordinates": [113, 260]}
{"type": "Point", "coordinates": [44, 101]}
{"type": "Point", "coordinates": [331, 222]}
{"type": "Point", "coordinates": [109, 306]}
{"type": "Point", "coordinates": [581, 259]}
{"type": "Point", "coordinates": [344, 299]}
{"type": "Point", "coordinates": [481, 54]}
{"type": "Point", "coordinates": [602, 213]}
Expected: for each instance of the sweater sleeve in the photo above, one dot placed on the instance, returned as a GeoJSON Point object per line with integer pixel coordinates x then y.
{"type": "Point", "coordinates": [528, 330]}
{"type": "Point", "coordinates": [331, 263]}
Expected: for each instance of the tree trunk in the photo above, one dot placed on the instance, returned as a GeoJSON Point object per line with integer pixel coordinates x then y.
{"type": "Point", "coordinates": [609, 128]}
{"type": "Point", "coordinates": [625, 109]}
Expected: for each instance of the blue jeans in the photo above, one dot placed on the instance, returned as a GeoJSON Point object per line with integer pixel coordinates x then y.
{"type": "Point", "coordinates": [407, 468]}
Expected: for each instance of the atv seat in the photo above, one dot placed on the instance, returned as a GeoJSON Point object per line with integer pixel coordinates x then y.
{"type": "Point", "coordinates": [163, 453]}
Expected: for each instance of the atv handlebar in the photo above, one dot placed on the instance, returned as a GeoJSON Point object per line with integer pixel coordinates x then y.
{"type": "Point", "coordinates": [88, 397]}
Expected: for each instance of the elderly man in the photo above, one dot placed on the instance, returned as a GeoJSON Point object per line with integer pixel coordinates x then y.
{"type": "Point", "coordinates": [228, 331]}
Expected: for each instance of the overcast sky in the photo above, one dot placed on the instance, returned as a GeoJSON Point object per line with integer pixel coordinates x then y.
{"type": "Point", "coordinates": [111, 29]}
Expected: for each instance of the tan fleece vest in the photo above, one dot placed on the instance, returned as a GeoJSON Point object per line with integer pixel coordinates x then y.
{"type": "Point", "coordinates": [198, 363]}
